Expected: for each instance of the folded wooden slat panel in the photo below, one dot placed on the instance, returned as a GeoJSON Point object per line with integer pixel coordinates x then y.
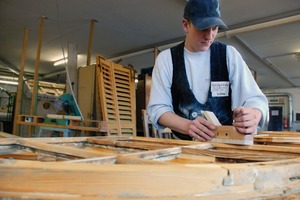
{"type": "Point", "coordinates": [117, 97]}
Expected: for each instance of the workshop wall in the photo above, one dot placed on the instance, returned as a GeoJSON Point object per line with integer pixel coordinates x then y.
{"type": "Point", "coordinates": [295, 99]}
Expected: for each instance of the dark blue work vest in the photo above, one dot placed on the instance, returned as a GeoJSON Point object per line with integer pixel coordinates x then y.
{"type": "Point", "coordinates": [185, 103]}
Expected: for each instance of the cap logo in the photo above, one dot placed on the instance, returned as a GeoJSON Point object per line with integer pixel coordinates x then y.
{"type": "Point", "coordinates": [218, 10]}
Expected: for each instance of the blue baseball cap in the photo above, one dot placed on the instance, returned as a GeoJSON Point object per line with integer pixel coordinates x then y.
{"type": "Point", "coordinates": [204, 14]}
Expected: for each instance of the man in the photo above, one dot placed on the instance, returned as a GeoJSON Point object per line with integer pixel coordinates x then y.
{"type": "Point", "coordinates": [200, 74]}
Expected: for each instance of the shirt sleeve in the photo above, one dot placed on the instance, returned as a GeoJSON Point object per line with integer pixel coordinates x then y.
{"type": "Point", "coordinates": [160, 100]}
{"type": "Point", "coordinates": [245, 91]}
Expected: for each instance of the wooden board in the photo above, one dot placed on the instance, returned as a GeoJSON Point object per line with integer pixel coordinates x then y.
{"type": "Point", "coordinates": [145, 168]}
{"type": "Point", "coordinates": [86, 91]}
{"type": "Point", "coordinates": [227, 134]}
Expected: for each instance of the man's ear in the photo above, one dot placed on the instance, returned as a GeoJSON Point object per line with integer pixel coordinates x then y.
{"type": "Point", "coordinates": [185, 25]}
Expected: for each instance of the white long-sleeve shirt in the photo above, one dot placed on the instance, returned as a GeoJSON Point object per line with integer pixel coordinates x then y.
{"type": "Point", "coordinates": [245, 91]}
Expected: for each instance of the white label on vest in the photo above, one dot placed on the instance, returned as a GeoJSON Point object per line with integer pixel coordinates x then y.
{"type": "Point", "coordinates": [219, 89]}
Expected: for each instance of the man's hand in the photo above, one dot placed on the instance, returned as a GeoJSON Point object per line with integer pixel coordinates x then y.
{"type": "Point", "coordinates": [246, 119]}
{"type": "Point", "coordinates": [201, 129]}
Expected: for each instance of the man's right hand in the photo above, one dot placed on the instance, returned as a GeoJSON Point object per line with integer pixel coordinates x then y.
{"type": "Point", "coordinates": [201, 129]}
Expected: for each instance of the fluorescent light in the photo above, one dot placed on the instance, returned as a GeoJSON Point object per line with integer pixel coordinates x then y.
{"type": "Point", "coordinates": [9, 78]}
{"type": "Point", "coordinates": [59, 62]}
{"type": "Point", "coordinates": [9, 82]}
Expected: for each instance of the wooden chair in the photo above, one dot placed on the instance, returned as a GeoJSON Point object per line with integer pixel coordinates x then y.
{"type": "Point", "coordinates": [1, 126]}
{"type": "Point", "coordinates": [151, 131]}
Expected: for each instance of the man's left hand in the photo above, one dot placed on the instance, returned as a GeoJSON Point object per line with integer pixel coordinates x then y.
{"type": "Point", "coordinates": [246, 119]}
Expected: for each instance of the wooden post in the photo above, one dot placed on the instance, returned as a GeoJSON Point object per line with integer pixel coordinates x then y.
{"type": "Point", "coordinates": [36, 73]}
{"type": "Point", "coordinates": [72, 69]}
{"type": "Point", "coordinates": [88, 62]}
{"type": "Point", "coordinates": [20, 84]}
{"type": "Point", "coordinates": [155, 52]}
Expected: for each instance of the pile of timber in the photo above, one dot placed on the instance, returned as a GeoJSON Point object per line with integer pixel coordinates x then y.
{"type": "Point", "coordinates": [145, 168]}
{"type": "Point", "coordinates": [287, 138]}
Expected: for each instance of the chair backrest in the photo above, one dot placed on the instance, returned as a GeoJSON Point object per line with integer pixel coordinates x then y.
{"type": "Point", "coordinates": [151, 131]}
{"type": "Point", "coordinates": [145, 120]}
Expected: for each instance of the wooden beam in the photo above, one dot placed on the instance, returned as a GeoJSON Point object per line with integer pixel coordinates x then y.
{"type": "Point", "coordinates": [72, 78]}
{"type": "Point", "coordinates": [20, 84]}
{"type": "Point", "coordinates": [36, 73]}
{"type": "Point", "coordinates": [155, 53]}
{"type": "Point", "coordinates": [89, 53]}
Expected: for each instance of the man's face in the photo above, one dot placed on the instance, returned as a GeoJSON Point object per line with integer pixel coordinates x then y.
{"type": "Point", "coordinates": [198, 40]}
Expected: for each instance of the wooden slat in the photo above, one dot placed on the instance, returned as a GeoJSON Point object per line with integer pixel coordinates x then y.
{"type": "Point", "coordinates": [130, 144]}
{"type": "Point", "coordinates": [7, 135]}
{"type": "Point", "coordinates": [61, 149]}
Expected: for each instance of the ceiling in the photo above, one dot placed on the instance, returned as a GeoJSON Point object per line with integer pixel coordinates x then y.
{"type": "Point", "coordinates": [267, 34]}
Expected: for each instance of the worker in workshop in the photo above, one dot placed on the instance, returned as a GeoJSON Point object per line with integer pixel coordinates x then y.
{"type": "Point", "coordinates": [200, 74]}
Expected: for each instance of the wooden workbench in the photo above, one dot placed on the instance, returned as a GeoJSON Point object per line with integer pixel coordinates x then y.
{"type": "Point", "coordinates": [145, 168]}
